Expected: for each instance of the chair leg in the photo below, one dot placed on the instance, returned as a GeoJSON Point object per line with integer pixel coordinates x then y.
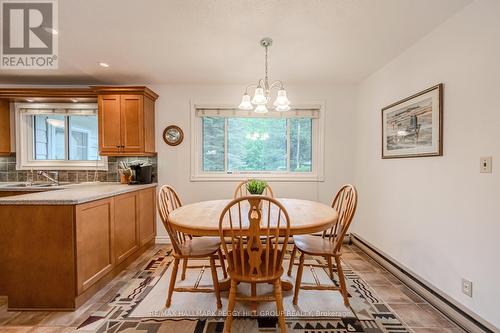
{"type": "Point", "coordinates": [173, 277]}
{"type": "Point", "coordinates": [254, 293]}
{"type": "Point", "coordinates": [184, 268]}
{"type": "Point", "coordinates": [330, 266]}
{"type": "Point", "coordinates": [215, 281]}
{"type": "Point", "coordinates": [222, 263]}
{"type": "Point", "coordinates": [343, 287]}
{"type": "Point", "coordinates": [279, 305]}
{"type": "Point", "coordinates": [230, 306]}
{"type": "Point", "coordinates": [292, 260]}
{"type": "Point", "coordinates": [298, 280]}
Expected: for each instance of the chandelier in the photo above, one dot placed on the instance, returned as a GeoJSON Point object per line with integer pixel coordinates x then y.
{"type": "Point", "coordinates": [262, 93]}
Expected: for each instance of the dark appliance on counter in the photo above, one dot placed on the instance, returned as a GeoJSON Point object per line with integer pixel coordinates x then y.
{"type": "Point", "coordinates": [141, 173]}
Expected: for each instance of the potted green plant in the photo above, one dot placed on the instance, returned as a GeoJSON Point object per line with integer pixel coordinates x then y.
{"type": "Point", "coordinates": [256, 186]}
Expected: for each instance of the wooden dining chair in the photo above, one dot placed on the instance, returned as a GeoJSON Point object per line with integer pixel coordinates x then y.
{"type": "Point", "coordinates": [186, 247]}
{"type": "Point", "coordinates": [328, 245]}
{"type": "Point", "coordinates": [241, 190]}
{"type": "Point", "coordinates": [260, 220]}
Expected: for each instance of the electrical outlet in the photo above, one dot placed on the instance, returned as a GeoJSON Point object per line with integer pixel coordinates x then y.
{"type": "Point", "coordinates": [485, 164]}
{"type": "Point", "coordinates": [467, 287]}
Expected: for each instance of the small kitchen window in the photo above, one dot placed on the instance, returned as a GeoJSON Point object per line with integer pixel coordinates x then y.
{"type": "Point", "coordinates": [57, 137]}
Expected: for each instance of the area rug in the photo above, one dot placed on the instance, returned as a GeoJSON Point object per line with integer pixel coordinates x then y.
{"type": "Point", "coordinates": [139, 305]}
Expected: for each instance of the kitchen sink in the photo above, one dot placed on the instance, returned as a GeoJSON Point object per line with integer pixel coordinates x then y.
{"type": "Point", "coordinates": [19, 185]}
{"type": "Point", "coordinates": [51, 184]}
{"type": "Point", "coordinates": [37, 184]}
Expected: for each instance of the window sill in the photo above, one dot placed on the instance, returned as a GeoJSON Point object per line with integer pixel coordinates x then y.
{"type": "Point", "coordinates": [272, 177]}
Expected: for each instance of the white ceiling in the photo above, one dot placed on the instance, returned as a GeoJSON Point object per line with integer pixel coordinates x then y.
{"type": "Point", "coordinates": [216, 41]}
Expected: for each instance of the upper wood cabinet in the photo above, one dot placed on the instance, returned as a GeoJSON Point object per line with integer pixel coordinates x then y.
{"type": "Point", "coordinates": [126, 121]}
{"type": "Point", "coordinates": [4, 127]}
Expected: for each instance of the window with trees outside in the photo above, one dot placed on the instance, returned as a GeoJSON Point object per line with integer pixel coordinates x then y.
{"type": "Point", "coordinates": [239, 144]}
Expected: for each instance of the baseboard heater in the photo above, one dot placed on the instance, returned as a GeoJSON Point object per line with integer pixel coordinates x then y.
{"type": "Point", "coordinates": [457, 313]}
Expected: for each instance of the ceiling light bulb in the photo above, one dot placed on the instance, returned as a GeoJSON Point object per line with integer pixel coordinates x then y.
{"type": "Point", "coordinates": [261, 109]}
{"type": "Point", "coordinates": [103, 64]}
{"type": "Point", "coordinates": [245, 103]}
{"type": "Point", "coordinates": [29, 100]}
{"type": "Point", "coordinates": [259, 98]}
{"type": "Point", "coordinates": [281, 99]}
{"type": "Point", "coordinates": [283, 108]}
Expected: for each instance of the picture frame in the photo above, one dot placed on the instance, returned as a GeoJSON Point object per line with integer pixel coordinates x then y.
{"type": "Point", "coordinates": [413, 127]}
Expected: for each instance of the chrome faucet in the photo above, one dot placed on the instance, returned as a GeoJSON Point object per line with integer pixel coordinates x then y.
{"type": "Point", "coordinates": [53, 180]}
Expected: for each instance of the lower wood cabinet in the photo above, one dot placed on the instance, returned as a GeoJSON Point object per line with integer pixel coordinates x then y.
{"type": "Point", "coordinates": [56, 257]}
{"type": "Point", "coordinates": [94, 241]}
{"type": "Point", "coordinates": [126, 225]}
{"type": "Point", "coordinates": [147, 209]}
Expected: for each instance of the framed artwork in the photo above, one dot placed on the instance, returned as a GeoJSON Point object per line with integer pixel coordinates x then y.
{"type": "Point", "coordinates": [413, 127]}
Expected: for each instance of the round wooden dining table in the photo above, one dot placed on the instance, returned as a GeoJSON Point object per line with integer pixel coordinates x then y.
{"type": "Point", "coordinates": [202, 219]}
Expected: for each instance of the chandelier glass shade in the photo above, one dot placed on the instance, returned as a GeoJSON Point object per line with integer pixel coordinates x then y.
{"type": "Point", "coordinates": [262, 93]}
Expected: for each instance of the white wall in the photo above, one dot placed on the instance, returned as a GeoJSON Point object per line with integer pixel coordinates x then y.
{"type": "Point", "coordinates": [438, 215]}
{"type": "Point", "coordinates": [173, 107]}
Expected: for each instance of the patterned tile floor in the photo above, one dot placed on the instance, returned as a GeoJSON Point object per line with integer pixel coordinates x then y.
{"type": "Point", "coordinates": [412, 309]}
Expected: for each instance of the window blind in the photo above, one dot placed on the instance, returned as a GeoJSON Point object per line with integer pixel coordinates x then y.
{"type": "Point", "coordinates": [64, 109]}
{"type": "Point", "coordinates": [64, 112]}
{"type": "Point", "coordinates": [309, 112]}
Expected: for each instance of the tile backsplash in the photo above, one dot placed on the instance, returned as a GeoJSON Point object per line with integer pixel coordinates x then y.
{"type": "Point", "coordinates": [8, 172]}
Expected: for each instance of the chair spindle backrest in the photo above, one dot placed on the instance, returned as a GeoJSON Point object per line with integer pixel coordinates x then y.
{"type": "Point", "coordinates": [253, 226]}
{"type": "Point", "coordinates": [344, 203]}
{"type": "Point", "coordinates": [241, 190]}
{"type": "Point", "coordinates": [168, 201]}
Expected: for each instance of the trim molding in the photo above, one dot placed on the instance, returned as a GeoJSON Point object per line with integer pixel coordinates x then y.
{"type": "Point", "coordinates": [441, 301]}
{"type": "Point", "coordinates": [162, 240]}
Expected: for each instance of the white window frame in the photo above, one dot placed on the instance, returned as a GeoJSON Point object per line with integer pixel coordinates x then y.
{"type": "Point", "coordinates": [318, 138]}
{"type": "Point", "coordinates": [25, 147]}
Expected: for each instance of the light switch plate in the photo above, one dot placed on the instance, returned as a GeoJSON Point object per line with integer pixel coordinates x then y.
{"type": "Point", "coordinates": [485, 164]}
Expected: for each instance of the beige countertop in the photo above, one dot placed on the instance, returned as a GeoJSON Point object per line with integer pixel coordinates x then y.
{"type": "Point", "coordinates": [70, 194]}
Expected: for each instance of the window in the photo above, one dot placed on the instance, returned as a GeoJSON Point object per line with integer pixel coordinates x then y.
{"type": "Point", "coordinates": [231, 144]}
{"type": "Point", "coordinates": [58, 136]}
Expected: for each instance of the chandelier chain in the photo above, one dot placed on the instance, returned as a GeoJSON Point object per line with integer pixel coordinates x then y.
{"type": "Point", "coordinates": [266, 77]}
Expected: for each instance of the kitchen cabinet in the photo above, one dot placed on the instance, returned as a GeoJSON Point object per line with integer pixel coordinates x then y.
{"type": "Point", "coordinates": [4, 127]}
{"type": "Point", "coordinates": [71, 250]}
{"type": "Point", "coordinates": [147, 213]}
{"type": "Point", "coordinates": [94, 234]}
{"type": "Point", "coordinates": [126, 121]}
{"type": "Point", "coordinates": [126, 225]}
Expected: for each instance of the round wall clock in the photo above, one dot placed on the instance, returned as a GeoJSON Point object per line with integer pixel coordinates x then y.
{"type": "Point", "coordinates": [173, 135]}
